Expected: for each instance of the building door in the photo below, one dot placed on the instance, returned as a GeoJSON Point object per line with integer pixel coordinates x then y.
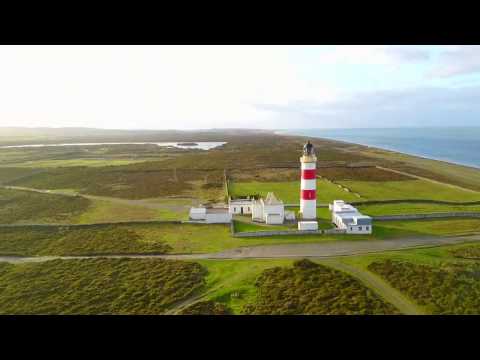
{"type": "Point", "coordinates": [241, 210]}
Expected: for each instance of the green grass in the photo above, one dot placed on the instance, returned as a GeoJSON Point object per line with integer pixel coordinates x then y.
{"type": "Point", "coordinates": [97, 286]}
{"type": "Point", "coordinates": [241, 226]}
{"type": "Point", "coordinates": [289, 191]}
{"type": "Point", "coordinates": [432, 227]}
{"type": "Point", "coordinates": [232, 282]}
{"type": "Point", "coordinates": [411, 189]}
{"type": "Point", "coordinates": [104, 211]}
{"type": "Point", "coordinates": [412, 208]}
{"type": "Point", "coordinates": [17, 207]}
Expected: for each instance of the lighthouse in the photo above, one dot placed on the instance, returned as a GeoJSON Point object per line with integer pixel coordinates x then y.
{"type": "Point", "coordinates": [308, 188]}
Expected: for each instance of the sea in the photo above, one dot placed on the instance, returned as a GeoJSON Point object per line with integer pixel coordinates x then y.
{"type": "Point", "coordinates": [460, 145]}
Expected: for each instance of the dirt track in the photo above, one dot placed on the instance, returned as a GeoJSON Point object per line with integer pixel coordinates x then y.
{"type": "Point", "coordinates": [312, 250]}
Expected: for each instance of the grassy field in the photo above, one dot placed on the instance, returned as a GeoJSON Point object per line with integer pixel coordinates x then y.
{"type": "Point", "coordinates": [413, 189]}
{"type": "Point", "coordinates": [232, 282]}
{"type": "Point", "coordinates": [463, 176]}
{"type": "Point", "coordinates": [242, 226]}
{"type": "Point", "coordinates": [97, 286]}
{"type": "Point", "coordinates": [289, 191]}
{"type": "Point", "coordinates": [17, 207]}
{"type": "Point", "coordinates": [105, 211]}
{"type": "Point", "coordinates": [431, 227]}
{"type": "Point", "coordinates": [412, 208]}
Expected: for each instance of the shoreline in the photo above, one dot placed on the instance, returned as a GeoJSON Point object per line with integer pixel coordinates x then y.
{"type": "Point", "coordinates": [424, 157]}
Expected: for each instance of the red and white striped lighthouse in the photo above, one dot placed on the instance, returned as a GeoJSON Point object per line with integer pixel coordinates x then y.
{"type": "Point", "coordinates": [308, 187]}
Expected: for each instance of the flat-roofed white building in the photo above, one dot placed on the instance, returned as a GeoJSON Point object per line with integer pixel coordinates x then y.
{"type": "Point", "coordinates": [269, 210]}
{"type": "Point", "coordinates": [210, 215]}
{"type": "Point", "coordinates": [347, 217]}
{"type": "Point", "coordinates": [240, 206]}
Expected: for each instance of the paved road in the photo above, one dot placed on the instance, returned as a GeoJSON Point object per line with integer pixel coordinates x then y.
{"type": "Point", "coordinates": [314, 250]}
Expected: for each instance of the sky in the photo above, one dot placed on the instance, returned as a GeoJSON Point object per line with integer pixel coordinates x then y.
{"type": "Point", "coordinates": [276, 87]}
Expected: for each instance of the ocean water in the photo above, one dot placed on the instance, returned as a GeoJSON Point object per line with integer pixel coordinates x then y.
{"type": "Point", "coordinates": [459, 145]}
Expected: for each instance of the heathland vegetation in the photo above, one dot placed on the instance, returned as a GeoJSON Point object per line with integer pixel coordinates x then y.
{"type": "Point", "coordinates": [30, 207]}
{"type": "Point", "coordinates": [445, 289]}
{"type": "Point", "coordinates": [146, 182]}
{"type": "Point", "coordinates": [97, 286]}
{"type": "Point", "coordinates": [313, 289]}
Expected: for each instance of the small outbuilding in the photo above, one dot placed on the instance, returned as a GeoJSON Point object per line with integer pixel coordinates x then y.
{"type": "Point", "coordinates": [240, 206]}
{"type": "Point", "coordinates": [210, 215]}
{"type": "Point", "coordinates": [269, 210]}
{"type": "Point", "coordinates": [347, 217]}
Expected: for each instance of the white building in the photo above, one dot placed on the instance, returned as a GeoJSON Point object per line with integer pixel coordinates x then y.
{"type": "Point", "coordinates": [210, 215]}
{"type": "Point", "coordinates": [240, 206]}
{"type": "Point", "coordinates": [347, 217]}
{"type": "Point", "coordinates": [308, 225]}
{"type": "Point", "coordinates": [269, 210]}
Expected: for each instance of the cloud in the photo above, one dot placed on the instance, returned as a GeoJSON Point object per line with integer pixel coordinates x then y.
{"type": "Point", "coordinates": [375, 55]}
{"type": "Point", "coordinates": [457, 60]}
{"type": "Point", "coordinates": [389, 108]}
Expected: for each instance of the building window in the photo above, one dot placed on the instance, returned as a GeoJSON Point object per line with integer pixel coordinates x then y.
{"type": "Point", "coordinates": [359, 228]}
{"type": "Point", "coordinates": [367, 228]}
{"type": "Point", "coordinates": [351, 228]}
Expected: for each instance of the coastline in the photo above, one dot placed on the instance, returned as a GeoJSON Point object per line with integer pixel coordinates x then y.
{"type": "Point", "coordinates": [421, 156]}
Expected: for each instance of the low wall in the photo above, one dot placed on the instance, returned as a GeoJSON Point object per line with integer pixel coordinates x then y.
{"type": "Point", "coordinates": [412, 201]}
{"type": "Point", "coordinates": [427, 216]}
{"type": "Point", "coordinates": [247, 234]}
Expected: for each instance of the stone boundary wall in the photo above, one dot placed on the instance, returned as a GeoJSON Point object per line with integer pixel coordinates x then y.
{"type": "Point", "coordinates": [413, 201]}
{"type": "Point", "coordinates": [247, 234]}
{"type": "Point", "coordinates": [427, 216]}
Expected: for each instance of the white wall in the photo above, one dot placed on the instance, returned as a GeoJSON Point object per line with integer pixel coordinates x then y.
{"type": "Point", "coordinates": [218, 218]}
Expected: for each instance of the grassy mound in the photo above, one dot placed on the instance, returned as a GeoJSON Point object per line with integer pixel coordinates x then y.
{"type": "Point", "coordinates": [447, 289]}
{"type": "Point", "coordinates": [309, 288]}
{"type": "Point", "coordinates": [26, 206]}
{"type": "Point", "coordinates": [97, 286]}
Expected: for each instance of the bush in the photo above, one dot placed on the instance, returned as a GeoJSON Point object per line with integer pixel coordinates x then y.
{"type": "Point", "coordinates": [206, 308]}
